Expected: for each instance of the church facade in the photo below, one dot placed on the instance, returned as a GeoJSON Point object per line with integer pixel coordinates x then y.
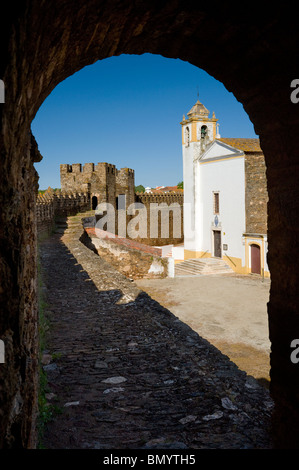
{"type": "Point", "coordinates": [225, 195]}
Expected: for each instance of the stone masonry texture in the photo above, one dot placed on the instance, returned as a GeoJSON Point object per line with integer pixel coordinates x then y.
{"type": "Point", "coordinates": [103, 181]}
{"type": "Point", "coordinates": [256, 195]}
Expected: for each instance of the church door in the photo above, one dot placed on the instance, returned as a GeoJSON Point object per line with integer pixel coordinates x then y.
{"type": "Point", "coordinates": [217, 243]}
{"type": "Point", "coordinates": [255, 259]}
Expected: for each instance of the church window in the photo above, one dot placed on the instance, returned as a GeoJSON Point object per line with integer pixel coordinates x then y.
{"type": "Point", "coordinates": [187, 136]}
{"type": "Point", "coordinates": [216, 202]}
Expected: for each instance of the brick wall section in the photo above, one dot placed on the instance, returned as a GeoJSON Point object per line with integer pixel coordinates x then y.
{"type": "Point", "coordinates": [256, 195]}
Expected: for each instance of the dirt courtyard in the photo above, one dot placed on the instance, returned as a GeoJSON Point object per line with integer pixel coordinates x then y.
{"type": "Point", "coordinates": [230, 311]}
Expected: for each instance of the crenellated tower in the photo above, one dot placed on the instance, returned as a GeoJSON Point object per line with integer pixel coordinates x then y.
{"type": "Point", "coordinates": [103, 181]}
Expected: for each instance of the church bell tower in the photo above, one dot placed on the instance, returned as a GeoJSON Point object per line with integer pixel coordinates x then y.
{"type": "Point", "coordinates": [198, 131]}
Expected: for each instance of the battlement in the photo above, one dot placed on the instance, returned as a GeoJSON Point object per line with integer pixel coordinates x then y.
{"type": "Point", "coordinates": [58, 203]}
{"type": "Point", "coordinates": [169, 198]}
{"type": "Point", "coordinates": [127, 172]}
{"type": "Point", "coordinates": [108, 167]}
{"type": "Point", "coordinates": [76, 168]}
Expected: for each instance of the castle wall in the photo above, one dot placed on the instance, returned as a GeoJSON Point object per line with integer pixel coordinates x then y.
{"type": "Point", "coordinates": [125, 183]}
{"type": "Point", "coordinates": [164, 232]}
{"type": "Point", "coordinates": [162, 209]}
{"type": "Point", "coordinates": [103, 183]}
{"type": "Point", "coordinates": [106, 183]}
{"type": "Point", "coordinates": [54, 204]}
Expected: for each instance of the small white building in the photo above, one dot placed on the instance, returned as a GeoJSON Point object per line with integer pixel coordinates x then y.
{"type": "Point", "coordinates": [225, 195]}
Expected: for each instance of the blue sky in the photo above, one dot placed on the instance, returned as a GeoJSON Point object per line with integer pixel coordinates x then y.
{"type": "Point", "coordinates": [127, 111]}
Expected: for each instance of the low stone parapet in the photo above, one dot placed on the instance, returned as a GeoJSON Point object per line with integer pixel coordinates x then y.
{"type": "Point", "coordinates": [133, 259]}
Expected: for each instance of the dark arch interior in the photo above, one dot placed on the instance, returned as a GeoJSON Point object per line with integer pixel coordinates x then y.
{"type": "Point", "coordinates": [94, 202]}
{"type": "Point", "coordinates": [252, 53]}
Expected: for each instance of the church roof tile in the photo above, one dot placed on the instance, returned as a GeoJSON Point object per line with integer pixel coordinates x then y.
{"type": "Point", "coordinates": [246, 145]}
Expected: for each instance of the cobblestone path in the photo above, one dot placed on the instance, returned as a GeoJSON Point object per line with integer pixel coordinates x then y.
{"type": "Point", "coordinates": [125, 373]}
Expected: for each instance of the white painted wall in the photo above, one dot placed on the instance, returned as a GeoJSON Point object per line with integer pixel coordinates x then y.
{"type": "Point", "coordinates": [265, 254]}
{"type": "Point", "coordinates": [201, 178]}
{"type": "Point", "coordinates": [228, 177]}
{"type": "Point", "coordinates": [189, 191]}
{"type": "Point", "coordinates": [216, 150]}
{"type": "Point", "coordinates": [178, 252]}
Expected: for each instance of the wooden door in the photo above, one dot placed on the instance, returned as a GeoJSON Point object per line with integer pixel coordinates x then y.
{"type": "Point", "coordinates": [217, 243]}
{"type": "Point", "coordinates": [255, 259]}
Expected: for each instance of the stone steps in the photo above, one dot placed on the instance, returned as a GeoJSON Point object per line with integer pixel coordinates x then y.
{"type": "Point", "coordinates": [68, 224]}
{"type": "Point", "coordinates": [202, 267]}
{"type": "Point", "coordinates": [67, 227]}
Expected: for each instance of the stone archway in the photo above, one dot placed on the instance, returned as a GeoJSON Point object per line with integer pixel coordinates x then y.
{"type": "Point", "coordinates": [94, 202]}
{"type": "Point", "coordinates": [253, 53]}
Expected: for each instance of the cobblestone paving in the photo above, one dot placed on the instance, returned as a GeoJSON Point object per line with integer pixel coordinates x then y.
{"type": "Point", "coordinates": [125, 373]}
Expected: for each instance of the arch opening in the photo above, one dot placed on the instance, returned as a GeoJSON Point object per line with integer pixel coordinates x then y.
{"type": "Point", "coordinates": [94, 202]}
{"type": "Point", "coordinates": [147, 134]}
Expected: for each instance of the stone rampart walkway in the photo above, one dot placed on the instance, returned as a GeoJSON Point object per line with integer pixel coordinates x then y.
{"type": "Point", "coordinates": [125, 373]}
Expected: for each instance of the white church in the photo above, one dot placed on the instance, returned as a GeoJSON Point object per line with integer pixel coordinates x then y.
{"type": "Point", "coordinates": [225, 195]}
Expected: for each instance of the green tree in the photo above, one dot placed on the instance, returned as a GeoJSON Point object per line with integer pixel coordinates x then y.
{"type": "Point", "coordinates": [139, 189]}
{"type": "Point", "coordinates": [180, 185]}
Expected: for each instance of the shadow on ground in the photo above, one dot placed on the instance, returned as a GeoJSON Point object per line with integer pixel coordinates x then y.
{"type": "Point", "coordinates": [127, 373]}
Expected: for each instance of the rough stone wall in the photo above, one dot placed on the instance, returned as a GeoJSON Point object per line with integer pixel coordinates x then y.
{"type": "Point", "coordinates": [129, 257]}
{"type": "Point", "coordinates": [18, 295]}
{"type": "Point", "coordinates": [42, 43]}
{"type": "Point", "coordinates": [53, 204]}
{"type": "Point", "coordinates": [125, 184]}
{"type": "Point", "coordinates": [256, 195]}
{"type": "Point", "coordinates": [102, 180]}
{"type": "Point", "coordinates": [75, 178]}
{"type": "Point", "coordinates": [45, 214]}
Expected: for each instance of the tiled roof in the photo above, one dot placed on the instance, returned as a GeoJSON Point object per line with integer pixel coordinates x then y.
{"type": "Point", "coordinates": [246, 145]}
{"type": "Point", "coordinates": [166, 189]}
{"type": "Point", "coordinates": [171, 188]}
